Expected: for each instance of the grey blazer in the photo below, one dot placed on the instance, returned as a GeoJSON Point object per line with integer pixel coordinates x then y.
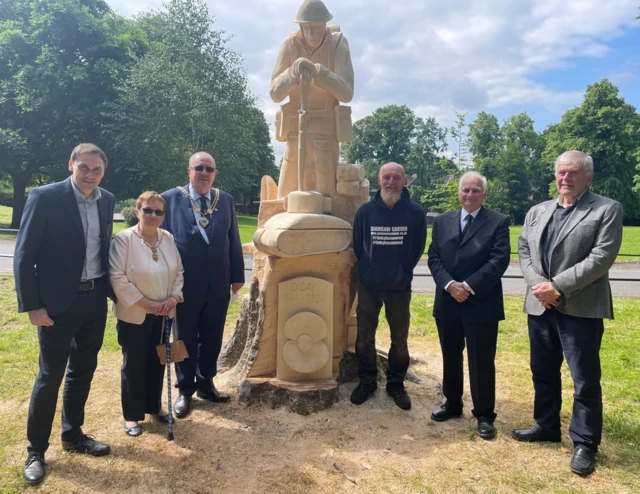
{"type": "Point", "coordinates": [580, 260]}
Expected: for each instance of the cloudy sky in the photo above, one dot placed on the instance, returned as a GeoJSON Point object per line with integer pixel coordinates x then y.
{"type": "Point", "coordinates": [437, 56]}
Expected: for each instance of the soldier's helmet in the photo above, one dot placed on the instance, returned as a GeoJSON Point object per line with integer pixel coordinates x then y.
{"type": "Point", "coordinates": [313, 11]}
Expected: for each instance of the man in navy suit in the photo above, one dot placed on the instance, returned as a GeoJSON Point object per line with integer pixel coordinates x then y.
{"type": "Point", "coordinates": [468, 255]}
{"type": "Point", "coordinates": [61, 268]}
{"type": "Point", "coordinates": [204, 226]}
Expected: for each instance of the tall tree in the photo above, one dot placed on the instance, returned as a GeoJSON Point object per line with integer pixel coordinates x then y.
{"type": "Point", "coordinates": [188, 93]}
{"type": "Point", "coordinates": [395, 133]}
{"type": "Point", "coordinates": [485, 142]}
{"type": "Point", "coordinates": [384, 136]}
{"type": "Point", "coordinates": [608, 129]}
{"type": "Point", "coordinates": [459, 135]}
{"type": "Point", "coordinates": [510, 157]}
{"type": "Point", "coordinates": [59, 64]}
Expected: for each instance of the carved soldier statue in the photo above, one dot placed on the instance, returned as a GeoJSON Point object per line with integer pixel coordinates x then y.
{"type": "Point", "coordinates": [314, 63]}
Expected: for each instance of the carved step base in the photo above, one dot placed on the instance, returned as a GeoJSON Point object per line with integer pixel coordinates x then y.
{"type": "Point", "coordinates": [299, 397]}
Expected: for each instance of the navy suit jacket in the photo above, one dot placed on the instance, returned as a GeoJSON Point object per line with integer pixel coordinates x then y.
{"type": "Point", "coordinates": [480, 259]}
{"type": "Point", "coordinates": [215, 265]}
{"type": "Point", "coordinates": [51, 247]}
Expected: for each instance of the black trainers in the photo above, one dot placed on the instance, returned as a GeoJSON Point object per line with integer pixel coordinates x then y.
{"type": "Point", "coordinates": [362, 393]}
{"type": "Point", "coordinates": [400, 396]}
{"type": "Point", "coordinates": [86, 444]}
{"type": "Point", "coordinates": [33, 472]}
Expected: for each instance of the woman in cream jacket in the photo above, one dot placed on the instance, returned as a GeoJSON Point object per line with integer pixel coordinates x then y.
{"type": "Point", "coordinates": [147, 278]}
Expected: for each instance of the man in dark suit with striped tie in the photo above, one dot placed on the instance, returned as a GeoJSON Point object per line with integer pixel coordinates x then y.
{"type": "Point", "coordinates": [204, 226]}
{"type": "Point", "coordinates": [468, 255]}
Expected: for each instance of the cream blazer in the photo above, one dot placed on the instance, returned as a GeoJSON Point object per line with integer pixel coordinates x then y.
{"type": "Point", "coordinates": [129, 261]}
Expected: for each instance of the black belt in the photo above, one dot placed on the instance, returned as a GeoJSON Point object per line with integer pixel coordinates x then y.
{"type": "Point", "coordinates": [88, 285]}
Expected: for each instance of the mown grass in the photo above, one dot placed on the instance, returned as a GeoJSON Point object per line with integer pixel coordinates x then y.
{"type": "Point", "coordinates": [619, 458]}
{"type": "Point", "coordinates": [248, 224]}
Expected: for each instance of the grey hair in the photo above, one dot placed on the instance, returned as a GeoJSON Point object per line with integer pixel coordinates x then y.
{"type": "Point", "coordinates": [576, 158]}
{"type": "Point", "coordinates": [472, 174]}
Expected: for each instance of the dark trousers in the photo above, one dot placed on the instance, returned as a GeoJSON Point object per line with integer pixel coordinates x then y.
{"type": "Point", "coordinates": [396, 306]}
{"type": "Point", "coordinates": [201, 327]}
{"type": "Point", "coordinates": [481, 340]}
{"type": "Point", "coordinates": [142, 373]}
{"type": "Point", "coordinates": [579, 338]}
{"type": "Point", "coordinates": [74, 339]}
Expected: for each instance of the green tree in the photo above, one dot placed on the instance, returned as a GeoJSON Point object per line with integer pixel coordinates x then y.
{"type": "Point", "coordinates": [395, 133]}
{"type": "Point", "coordinates": [485, 142]}
{"type": "Point", "coordinates": [188, 93]}
{"type": "Point", "coordinates": [442, 194]}
{"type": "Point", "coordinates": [459, 135]}
{"type": "Point", "coordinates": [608, 129]}
{"type": "Point", "coordinates": [510, 157]}
{"type": "Point", "coordinates": [384, 136]}
{"type": "Point", "coordinates": [59, 63]}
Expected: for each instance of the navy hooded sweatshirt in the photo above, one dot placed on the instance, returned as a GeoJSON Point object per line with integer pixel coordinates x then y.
{"type": "Point", "coordinates": [389, 242]}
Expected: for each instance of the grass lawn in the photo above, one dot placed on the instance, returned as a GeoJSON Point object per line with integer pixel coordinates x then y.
{"type": "Point", "coordinates": [248, 224]}
{"type": "Point", "coordinates": [443, 458]}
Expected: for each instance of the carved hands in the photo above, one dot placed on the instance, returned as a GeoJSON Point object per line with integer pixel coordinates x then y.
{"type": "Point", "coordinates": [304, 70]}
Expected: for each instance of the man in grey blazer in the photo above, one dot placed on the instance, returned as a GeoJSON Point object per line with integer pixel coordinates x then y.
{"type": "Point", "coordinates": [566, 249]}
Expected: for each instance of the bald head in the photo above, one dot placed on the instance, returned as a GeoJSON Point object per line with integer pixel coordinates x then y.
{"type": "Point", "coordinates": [392, 180]}
{"type": "Point", "coordinates": [200, 157]}
{"type": "Point", "coordinates": [392, 167]}
{"type": "Point", "coordinates": [202, 172]}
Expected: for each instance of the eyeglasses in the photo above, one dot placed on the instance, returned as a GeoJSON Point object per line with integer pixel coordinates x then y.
{"type": "Point", "coordinates": [201, 168]}
{"type": "Point", "coordinates": [149, 211]}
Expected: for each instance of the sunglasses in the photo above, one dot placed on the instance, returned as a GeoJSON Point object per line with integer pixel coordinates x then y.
{"type": "Point", "coordinates": [201, 168]}
{"type": "Point", "coordinates": [149, 211]}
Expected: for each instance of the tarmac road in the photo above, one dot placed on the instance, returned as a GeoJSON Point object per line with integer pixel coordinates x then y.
{"type": "Point", "coordinates": [621, 275]}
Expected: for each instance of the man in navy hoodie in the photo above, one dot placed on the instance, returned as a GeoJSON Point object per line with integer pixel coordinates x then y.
{"type": "Point", "coordinates": [389, 236]}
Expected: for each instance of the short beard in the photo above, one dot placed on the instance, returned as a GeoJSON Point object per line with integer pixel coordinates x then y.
{"type": "Point", "coordinates": [390, 197]}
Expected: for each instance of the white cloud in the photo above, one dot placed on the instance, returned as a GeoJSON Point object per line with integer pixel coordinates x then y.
{"type": "Point", "coordinates": [434, 56]}
{"type": "Point", "coordinates": [623, 78]}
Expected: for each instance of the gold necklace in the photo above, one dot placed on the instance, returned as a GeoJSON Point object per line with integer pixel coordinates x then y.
{"type": "Point", "coordinates": [153, 248]}
{"type": "Point", "coordinates": [204, 221]}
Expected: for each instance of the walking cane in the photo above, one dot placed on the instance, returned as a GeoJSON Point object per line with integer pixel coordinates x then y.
{"type": "Point", "coordinates": [167, 336]}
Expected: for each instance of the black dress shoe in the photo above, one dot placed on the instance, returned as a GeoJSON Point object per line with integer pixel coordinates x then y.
{"type": "Point", "coordinates": [400, 396]}
{"type": "Point", "coordinates": [534, 434]}
{"type": "Point", "coordinates": [163, 419]}
{"type": "Point", "coordinates": [212, 394]}
{"type": "Point", "coordinates": [182, 405]}
{"type": "Point", "coordinates": [134, 431]}
{"type": "Point", "coordinates": [486, 429]}
{"type": "Point", "coordinates": [583, 462]}
{"type": "Point", "coordinates": [445, 412]}
{"type": "Point", "coordinates": [362, 392]}
{"type": "Point", "coordinates": [86, 444]}
{"type": "Point", "coordinates": [33, 472]}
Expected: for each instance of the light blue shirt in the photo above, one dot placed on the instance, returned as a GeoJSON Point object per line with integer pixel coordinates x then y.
{"type": "Point", "coordinates": [88, 209]}
{"type": "Point", "coordinates": [196, 199]}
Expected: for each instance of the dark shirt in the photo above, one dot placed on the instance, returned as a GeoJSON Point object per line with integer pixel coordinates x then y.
{"type": "Point", "coordinates": [551, 232]}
